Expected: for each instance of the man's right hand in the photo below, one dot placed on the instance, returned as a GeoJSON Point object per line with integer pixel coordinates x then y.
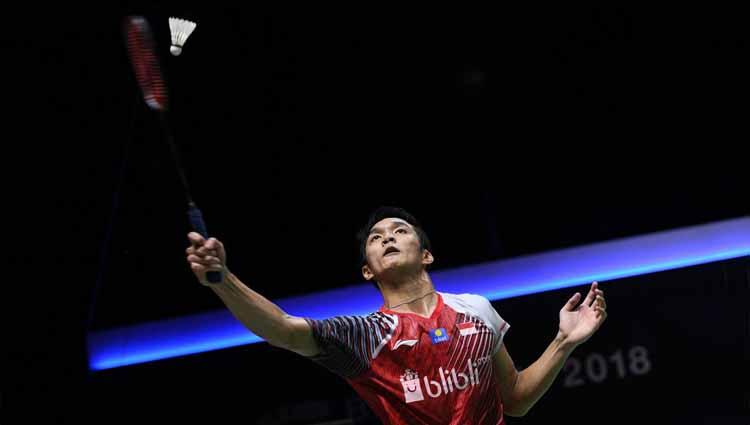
{"type": "Point", "coordinates": [206, 255]}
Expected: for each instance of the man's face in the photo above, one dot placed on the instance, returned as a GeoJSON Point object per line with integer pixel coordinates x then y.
{"type": "Point", "coordinates": [393, 247]}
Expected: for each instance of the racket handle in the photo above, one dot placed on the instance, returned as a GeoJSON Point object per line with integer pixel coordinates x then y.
{"type": "Point", "coordinates": [196, 221]}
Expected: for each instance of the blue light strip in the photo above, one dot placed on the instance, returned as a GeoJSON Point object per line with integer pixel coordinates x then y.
{"type": "Point", "coordinates": [496, 280]}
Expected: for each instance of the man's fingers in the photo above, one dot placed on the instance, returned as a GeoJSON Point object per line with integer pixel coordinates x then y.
{"type": "Point", "coordinates": [217, 246]}
{"type": "Point", "coordinates": [571, 304]}
{"type": "Point", "coordinates": [205, 255]}
{"type": "Point", "coordinates": [591, 296]}
{"type": "Point", "coordinates": [206, 260]}
{"type": "Point", "coordinates": [196, 239]}
{"type": "Point", "coordinates": [194, 259]}
{"type": "Point", "coordinates": [210, 259]}
{"type": "Point", "coordinates": [201, 252]}
{"type": "Point", "coordinates": [601, 314]}
{"type": "Point", "coordinates": [205, 251]}
{"type": "Point", "coordinates": [203, 268]}
{"type": "Point", "coordinates": [601, 302]}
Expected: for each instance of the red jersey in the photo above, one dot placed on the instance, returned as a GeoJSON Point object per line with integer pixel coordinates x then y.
{"type": "Point", "coordinates": [420, 370]}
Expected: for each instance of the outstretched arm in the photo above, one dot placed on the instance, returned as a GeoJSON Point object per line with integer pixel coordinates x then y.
{"type": "Point", "coordinates": [257, 313]}
{"type": "Point", "coordinates": [521, 390]}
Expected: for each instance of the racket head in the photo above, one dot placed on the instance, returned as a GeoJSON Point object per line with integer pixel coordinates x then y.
{"type": "Point", "coordinates": [142, 53]}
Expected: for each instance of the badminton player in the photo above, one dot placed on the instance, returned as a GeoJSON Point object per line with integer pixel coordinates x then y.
{"type": "Point", "coordinates": [425, 357]}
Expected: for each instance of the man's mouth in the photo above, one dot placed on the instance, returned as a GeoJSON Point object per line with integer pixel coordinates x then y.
{"type": "Point", "coordinates": [390, 251]}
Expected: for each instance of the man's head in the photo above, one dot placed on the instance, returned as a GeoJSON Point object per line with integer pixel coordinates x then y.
{"type": "Point", "coordinates": [393, 243]}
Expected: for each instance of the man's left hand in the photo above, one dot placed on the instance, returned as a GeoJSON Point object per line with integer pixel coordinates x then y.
{"type": "Point", "coordinates": [577, 324]}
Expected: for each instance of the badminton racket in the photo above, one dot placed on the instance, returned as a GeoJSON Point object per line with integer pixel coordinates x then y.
{"type": "Point", "coordinates": [141, 50]}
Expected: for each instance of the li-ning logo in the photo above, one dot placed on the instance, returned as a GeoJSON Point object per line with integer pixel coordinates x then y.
{"type": "Point", "coordinates": [450, 381]}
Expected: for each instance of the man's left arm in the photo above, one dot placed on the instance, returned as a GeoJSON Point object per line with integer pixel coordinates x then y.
{"type": "Point", "coordinates": [521, 390]}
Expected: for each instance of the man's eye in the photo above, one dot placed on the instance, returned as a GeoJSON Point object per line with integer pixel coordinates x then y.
{"type": "Point", "coordinates": [374, 238]}
{"type": "Point", "coordinates": [401, 230]}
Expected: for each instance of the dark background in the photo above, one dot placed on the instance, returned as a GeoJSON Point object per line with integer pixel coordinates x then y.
{"type": "Point", "coordinates": [506, 131]}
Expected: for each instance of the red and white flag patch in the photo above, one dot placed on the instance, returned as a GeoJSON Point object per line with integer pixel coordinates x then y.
{"type": "Point", "coordinates": [467, 328]}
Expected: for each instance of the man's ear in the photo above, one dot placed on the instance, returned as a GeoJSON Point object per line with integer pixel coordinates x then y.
{"type": "Point", "coordinates": [367, 273]}
{"type": "Point", "coordinates": [427, 257]}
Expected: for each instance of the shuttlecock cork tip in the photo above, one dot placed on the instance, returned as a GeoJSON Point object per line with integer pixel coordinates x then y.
{"type": "Point", "coordinates": [175, 50]}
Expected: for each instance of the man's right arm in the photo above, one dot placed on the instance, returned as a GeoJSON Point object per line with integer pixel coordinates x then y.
{"type": "Point", "coordinates": [265, 318]}
{"type": "Point", "coordinates": [257, 313]}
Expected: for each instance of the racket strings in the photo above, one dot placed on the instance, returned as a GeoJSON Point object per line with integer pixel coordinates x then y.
{"type": "Point", "coordinates": [145, 63]}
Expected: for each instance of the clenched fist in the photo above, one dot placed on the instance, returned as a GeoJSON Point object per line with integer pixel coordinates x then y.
{"type": "Point", "coordinates": [205, 256]}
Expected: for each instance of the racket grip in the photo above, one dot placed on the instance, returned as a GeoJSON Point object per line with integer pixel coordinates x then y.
{"type": "Point", "coordinates": [196, 221]}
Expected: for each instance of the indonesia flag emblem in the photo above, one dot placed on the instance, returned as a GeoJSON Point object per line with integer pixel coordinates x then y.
{"type": "Point", "coordinates": [467, 328]}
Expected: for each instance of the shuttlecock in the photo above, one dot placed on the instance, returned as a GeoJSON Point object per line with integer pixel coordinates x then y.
{"type": "Point", "coordinates": [181, 30]}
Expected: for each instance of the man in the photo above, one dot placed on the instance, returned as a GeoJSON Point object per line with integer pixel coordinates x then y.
{"type": "Point", "coordinates": [425, 357]}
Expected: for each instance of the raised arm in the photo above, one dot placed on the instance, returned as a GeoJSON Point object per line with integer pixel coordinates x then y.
{"type": "Point", "coordinates": [521, 390]}
{"type": "Point", "coordinates": [257, 313]}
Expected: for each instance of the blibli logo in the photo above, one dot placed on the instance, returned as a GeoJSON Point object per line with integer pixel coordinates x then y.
{"type": "Point", "coordinates": [449, 382]}
{"type": "Point", "coordinates": [412, 389]}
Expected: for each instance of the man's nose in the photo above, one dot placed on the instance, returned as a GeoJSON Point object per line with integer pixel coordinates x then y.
{"type": "Point", "coordinates": [389, 238]}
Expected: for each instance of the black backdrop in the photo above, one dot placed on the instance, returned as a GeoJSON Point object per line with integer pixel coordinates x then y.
{"type": "Point", "coordinates": [542, 128]}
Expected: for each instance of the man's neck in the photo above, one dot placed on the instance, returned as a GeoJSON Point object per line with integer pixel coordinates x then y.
{"type": "Point", "coordinates": [415, 294]}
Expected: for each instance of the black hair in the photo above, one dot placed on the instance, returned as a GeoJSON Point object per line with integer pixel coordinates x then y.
{"type": "Point", "coordinates": [390, 212]}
